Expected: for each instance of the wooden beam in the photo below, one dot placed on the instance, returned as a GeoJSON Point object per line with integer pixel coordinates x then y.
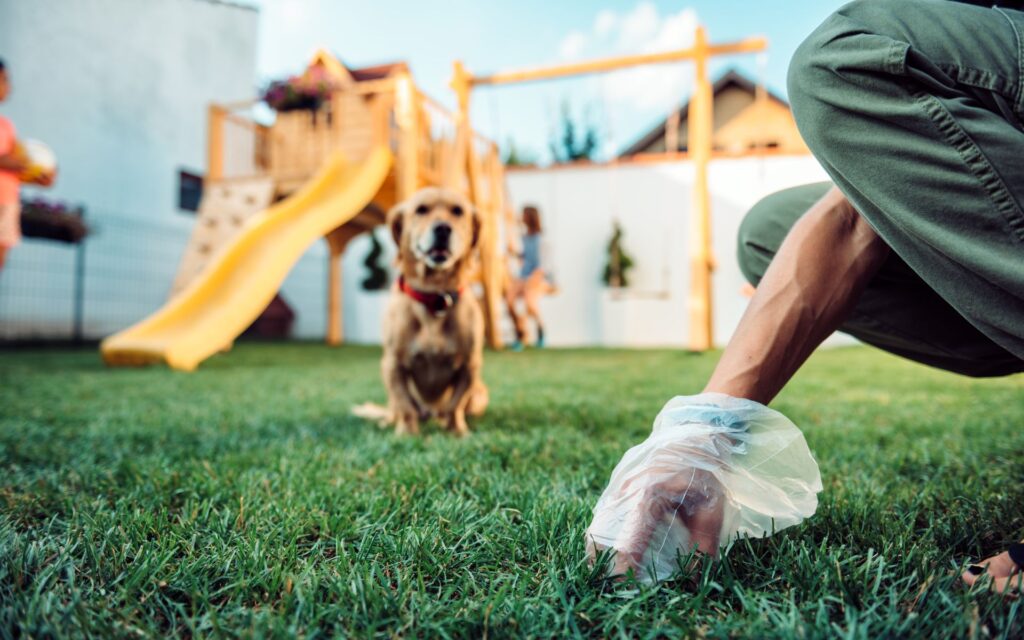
{"type": "Point", "coordinates": [215, 143]}
{"type": "Point", "coordinates": [491, 257]}
{"type": "Point", "coordinates": [749, 45]}
{"type": "Point", "coordinates": [467, 164]}
{"type": "Point", "coordinates": [699, 121]}
{"type": "Point", "coordinates": [337, 241]}
{"type": "Point", "coordinates": [455, 170]}
{"type": "Point", "coordinates": [335, 319]}
{"type": "Point", "coordinates": [408, 136]}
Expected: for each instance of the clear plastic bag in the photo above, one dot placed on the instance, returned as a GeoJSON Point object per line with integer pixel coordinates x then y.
{"type": "Point", "coordinates": [714, 468]}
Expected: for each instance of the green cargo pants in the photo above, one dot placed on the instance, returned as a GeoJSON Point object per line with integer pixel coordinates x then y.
{"type": "Point", "coordinates": [915, 109]}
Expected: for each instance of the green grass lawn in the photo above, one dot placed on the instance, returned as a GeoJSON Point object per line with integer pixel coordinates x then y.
{"type": "Point", "coordinates": [243, 500]}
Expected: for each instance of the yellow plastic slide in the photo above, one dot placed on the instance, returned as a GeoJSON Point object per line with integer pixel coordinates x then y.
{"type": "Point", "coordinates": [242, 279]}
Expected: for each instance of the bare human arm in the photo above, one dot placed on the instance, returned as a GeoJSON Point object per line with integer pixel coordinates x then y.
{"type": "Point", "coordinates": [14, 161]}
{"type": "Point", "coordinates": [810, 288]}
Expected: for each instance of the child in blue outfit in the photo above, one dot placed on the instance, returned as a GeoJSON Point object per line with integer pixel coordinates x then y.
{"type": "Point", "coordinates": [532, 282]}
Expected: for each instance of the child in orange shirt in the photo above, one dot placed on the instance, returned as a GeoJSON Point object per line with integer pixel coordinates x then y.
{"type": "Point", "coordinates": [12, 164]}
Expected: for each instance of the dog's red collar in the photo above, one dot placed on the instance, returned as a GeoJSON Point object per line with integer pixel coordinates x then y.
{"type": "Point", "coordinates": [436, 303]}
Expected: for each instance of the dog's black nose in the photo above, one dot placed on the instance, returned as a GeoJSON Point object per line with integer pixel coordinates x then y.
{"type": "Point", "coordinates": [442, 233]}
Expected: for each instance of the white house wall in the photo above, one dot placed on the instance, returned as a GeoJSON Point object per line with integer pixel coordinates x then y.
{"type": "Point", "coordinates": [119, 89]}
{"type": "Point", "coordinates": [652, 202]}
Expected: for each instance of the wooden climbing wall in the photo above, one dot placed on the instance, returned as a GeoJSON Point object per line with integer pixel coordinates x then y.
{"type": "Point", "coordinates": [225, 207]}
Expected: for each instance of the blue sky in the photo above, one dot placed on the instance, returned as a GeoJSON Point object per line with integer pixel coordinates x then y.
{"type": "Point", "coordinates": [492, 36]}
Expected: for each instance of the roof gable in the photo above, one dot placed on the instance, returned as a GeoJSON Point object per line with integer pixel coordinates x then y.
{"type": "Point", "coordinates": [730, 79]}
{"type": "Point", "coordinates": [344, 76]}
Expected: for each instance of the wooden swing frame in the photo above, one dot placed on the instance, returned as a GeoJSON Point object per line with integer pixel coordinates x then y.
{"type": "Point", "coordinates": [699, 123]}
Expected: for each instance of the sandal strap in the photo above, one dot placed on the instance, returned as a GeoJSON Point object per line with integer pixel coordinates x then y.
{"type": "Point", "coordinates": [1016, 552]}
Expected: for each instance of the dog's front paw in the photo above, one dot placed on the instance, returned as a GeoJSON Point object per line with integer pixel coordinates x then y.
{"type": "Point", "coordinates": [408, 424]}
{"type": "Point", "coordinates": [458, 426]}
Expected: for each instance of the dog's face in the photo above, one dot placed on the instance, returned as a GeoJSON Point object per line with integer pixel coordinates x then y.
{"type": "Point", "coordinates": [436, 227]}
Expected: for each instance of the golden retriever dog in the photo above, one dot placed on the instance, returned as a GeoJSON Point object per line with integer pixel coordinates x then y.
{"type": "Point", "coordinates": [433, 328]}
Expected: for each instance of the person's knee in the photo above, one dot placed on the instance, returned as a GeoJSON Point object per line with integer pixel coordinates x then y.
{"type": "Point", "coordinates": [806, 79]}
{"type": "Point", "coordinates": [768, 222]}
{"type": "Point", "coordinates": [756, 240]}
{"type": "Point", "coordinates": [824, 76]}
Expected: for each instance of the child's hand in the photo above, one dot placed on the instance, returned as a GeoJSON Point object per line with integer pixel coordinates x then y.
{"type": "Point", "coordinates": [15, 162]}
{"type": "Point", "coordinates": [45, 180]}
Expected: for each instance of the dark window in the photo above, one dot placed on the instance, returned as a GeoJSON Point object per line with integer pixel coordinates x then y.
{"type": "Point", "coordinates": [190, 190]}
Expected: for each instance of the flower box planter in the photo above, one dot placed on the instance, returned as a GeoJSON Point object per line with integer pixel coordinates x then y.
{"type": "Point", "coordinates": [307, 92]}
{"type": "Point", "coordinates": [52, 221]}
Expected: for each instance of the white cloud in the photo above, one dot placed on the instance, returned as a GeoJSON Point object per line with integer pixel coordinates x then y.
{"type": "Point", "coordinates": [675, 31]}
{"type": "Point", "coordinates": [605, 22]}
{"type": "Point", "coordinates": [638, 26]}
{"type": "Point", "coordinates": [572, 45]}
{"type": "Point", "coordinates": [633, 97]}
{"type": "Point", "coordinates": [643, 30]}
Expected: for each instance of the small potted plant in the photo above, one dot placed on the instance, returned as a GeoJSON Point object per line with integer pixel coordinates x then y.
{"type": "Point", "coordinates": [616, 270]}
{"type": "Point", "coordinates": [616, 309]}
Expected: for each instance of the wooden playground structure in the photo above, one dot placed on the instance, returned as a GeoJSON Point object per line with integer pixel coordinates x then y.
{"type": "Point", "coordinates": [370, 107]}
{"type": "Point", "coordinates": [330, 170]}
{"type": "Point", "coordinates": [333, 170]}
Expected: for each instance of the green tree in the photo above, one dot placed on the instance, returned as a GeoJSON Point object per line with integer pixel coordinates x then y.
{"type": "Point", "coordinates": [515, 157]}
{"type": "Point", "coordinates": [571, 146]}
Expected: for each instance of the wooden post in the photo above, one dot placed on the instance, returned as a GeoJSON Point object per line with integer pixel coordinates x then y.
{"type": "Point", "coordinates": [492, 263]}
{"type": "Point", "coordinates": [215, 143]}
{"type": "Point", "coordinates": [699, 147]}
{"type": "Point", "coordinates": [408, 136]}
{"type": "Point", "coordinates": [335, 320]}
{"type": "Point", "coordinates": [456, 169]}
{"type": "Point", "coordinates": [466, 162]}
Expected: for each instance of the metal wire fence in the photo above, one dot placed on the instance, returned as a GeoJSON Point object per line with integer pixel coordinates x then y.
{"type": "Point", "coordinates": [119, 274]}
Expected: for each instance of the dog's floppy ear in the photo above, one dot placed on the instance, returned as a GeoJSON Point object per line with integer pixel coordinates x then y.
{"type": "Point", "coordinates": [394, 220]}
{"type": "Point", "coordinates": [477, 222]}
